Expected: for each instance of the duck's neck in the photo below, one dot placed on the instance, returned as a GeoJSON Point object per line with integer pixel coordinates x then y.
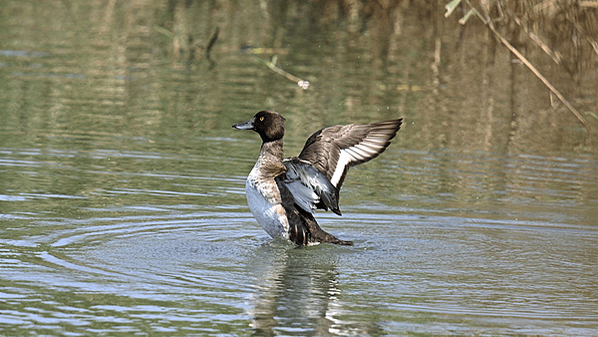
{"type": "Point", "coordinates": [269, 163]}
{"type": "Point", "coordinates": [271, 151]}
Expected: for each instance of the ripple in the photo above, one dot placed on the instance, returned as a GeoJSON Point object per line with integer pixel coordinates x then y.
{"type": "Point", "coordinates": [153, 244]}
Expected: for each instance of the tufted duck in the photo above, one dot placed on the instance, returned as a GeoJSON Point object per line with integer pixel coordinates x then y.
{"type": "Point", "coordinates": [283, 194]}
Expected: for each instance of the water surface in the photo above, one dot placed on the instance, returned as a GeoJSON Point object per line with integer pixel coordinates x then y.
{"type": "Point", "coordinates": [122, 206]}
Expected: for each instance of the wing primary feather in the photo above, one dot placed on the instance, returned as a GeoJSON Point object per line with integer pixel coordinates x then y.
{"type": "Point", "coordinates": [335, 149]}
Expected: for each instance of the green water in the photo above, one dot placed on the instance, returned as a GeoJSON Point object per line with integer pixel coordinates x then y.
{"type": "Point", "coordinates": [122, 206]}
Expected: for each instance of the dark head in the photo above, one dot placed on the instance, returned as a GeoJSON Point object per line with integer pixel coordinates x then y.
{"type": "Point", "coordinates": [268, 124]}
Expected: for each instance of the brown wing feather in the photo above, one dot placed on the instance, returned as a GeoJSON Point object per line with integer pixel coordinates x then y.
{"type": "Point", "coordinates": [357, 143]}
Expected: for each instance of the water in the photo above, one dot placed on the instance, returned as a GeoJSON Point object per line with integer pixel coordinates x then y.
{"type": "Point", "coordinates": [122, 206]}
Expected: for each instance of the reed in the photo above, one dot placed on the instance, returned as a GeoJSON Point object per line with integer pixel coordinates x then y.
{"type": "Point", "coordinates": [566, 30]}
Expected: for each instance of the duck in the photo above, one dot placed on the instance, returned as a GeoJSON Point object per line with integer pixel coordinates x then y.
{"type": "Point", "coordinates": [283, 194]}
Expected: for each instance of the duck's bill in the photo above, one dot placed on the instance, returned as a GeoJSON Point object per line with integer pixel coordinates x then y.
{"type": "Point", "coordinates": [244, 126]}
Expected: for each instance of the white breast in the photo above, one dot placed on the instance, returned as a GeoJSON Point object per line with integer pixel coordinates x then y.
{"type": "Point", "coordinates": [268, 213]}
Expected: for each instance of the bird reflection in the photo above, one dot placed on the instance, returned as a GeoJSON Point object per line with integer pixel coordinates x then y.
{"type": "Point", "coordinates": [296, 291]}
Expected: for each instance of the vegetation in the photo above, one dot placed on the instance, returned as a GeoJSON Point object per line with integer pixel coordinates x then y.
{"type": "Point", "coordinates": [565, 30]}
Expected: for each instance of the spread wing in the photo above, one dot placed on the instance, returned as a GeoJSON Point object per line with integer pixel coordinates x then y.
{"type": "Point", "coordinates": [309, 187]}
{"type": "Point", "coordinates": [334, 149]}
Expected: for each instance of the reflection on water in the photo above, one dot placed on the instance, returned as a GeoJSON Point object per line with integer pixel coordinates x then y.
{"type": "Point", "coordinates": [122, 207]}
{"type": "Point", "coordinates": [290, 287]}
{"type": "Point", "coordinates": [297, 292]}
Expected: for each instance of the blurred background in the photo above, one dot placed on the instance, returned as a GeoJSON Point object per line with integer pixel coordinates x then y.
{"type": "Point", "coordinates": [140, 68]}
{"type": "Point", "coordinates": [122, 206]}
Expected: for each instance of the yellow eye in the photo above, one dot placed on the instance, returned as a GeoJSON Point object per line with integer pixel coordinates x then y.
{"type": "Point", "coordinates": [262, 119]}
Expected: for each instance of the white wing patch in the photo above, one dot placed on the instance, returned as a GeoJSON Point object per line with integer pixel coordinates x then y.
{"type": "Point", "coordinates": [343, 160]}
{"type": "Point", "coordinates": [358, 153]}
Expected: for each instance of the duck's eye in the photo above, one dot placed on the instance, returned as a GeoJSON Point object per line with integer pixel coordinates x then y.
{"type": "Point", "coordinates": [262, 119]}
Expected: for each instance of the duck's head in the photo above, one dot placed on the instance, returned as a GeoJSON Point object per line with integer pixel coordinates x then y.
{"type": "Point", "coordinates": [268, 124]}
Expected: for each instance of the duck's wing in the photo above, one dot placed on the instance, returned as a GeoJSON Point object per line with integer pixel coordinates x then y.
{"type": "Point", "coordinates": [303, 228]}
{"type": "Point", "coordinates": [309, 187]}
{"type": "Point", "coordinates": [334, 149]}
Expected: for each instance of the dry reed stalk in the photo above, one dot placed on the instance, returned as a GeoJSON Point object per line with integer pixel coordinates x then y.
{"type": "Point", "coordinates": [450, 7]}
